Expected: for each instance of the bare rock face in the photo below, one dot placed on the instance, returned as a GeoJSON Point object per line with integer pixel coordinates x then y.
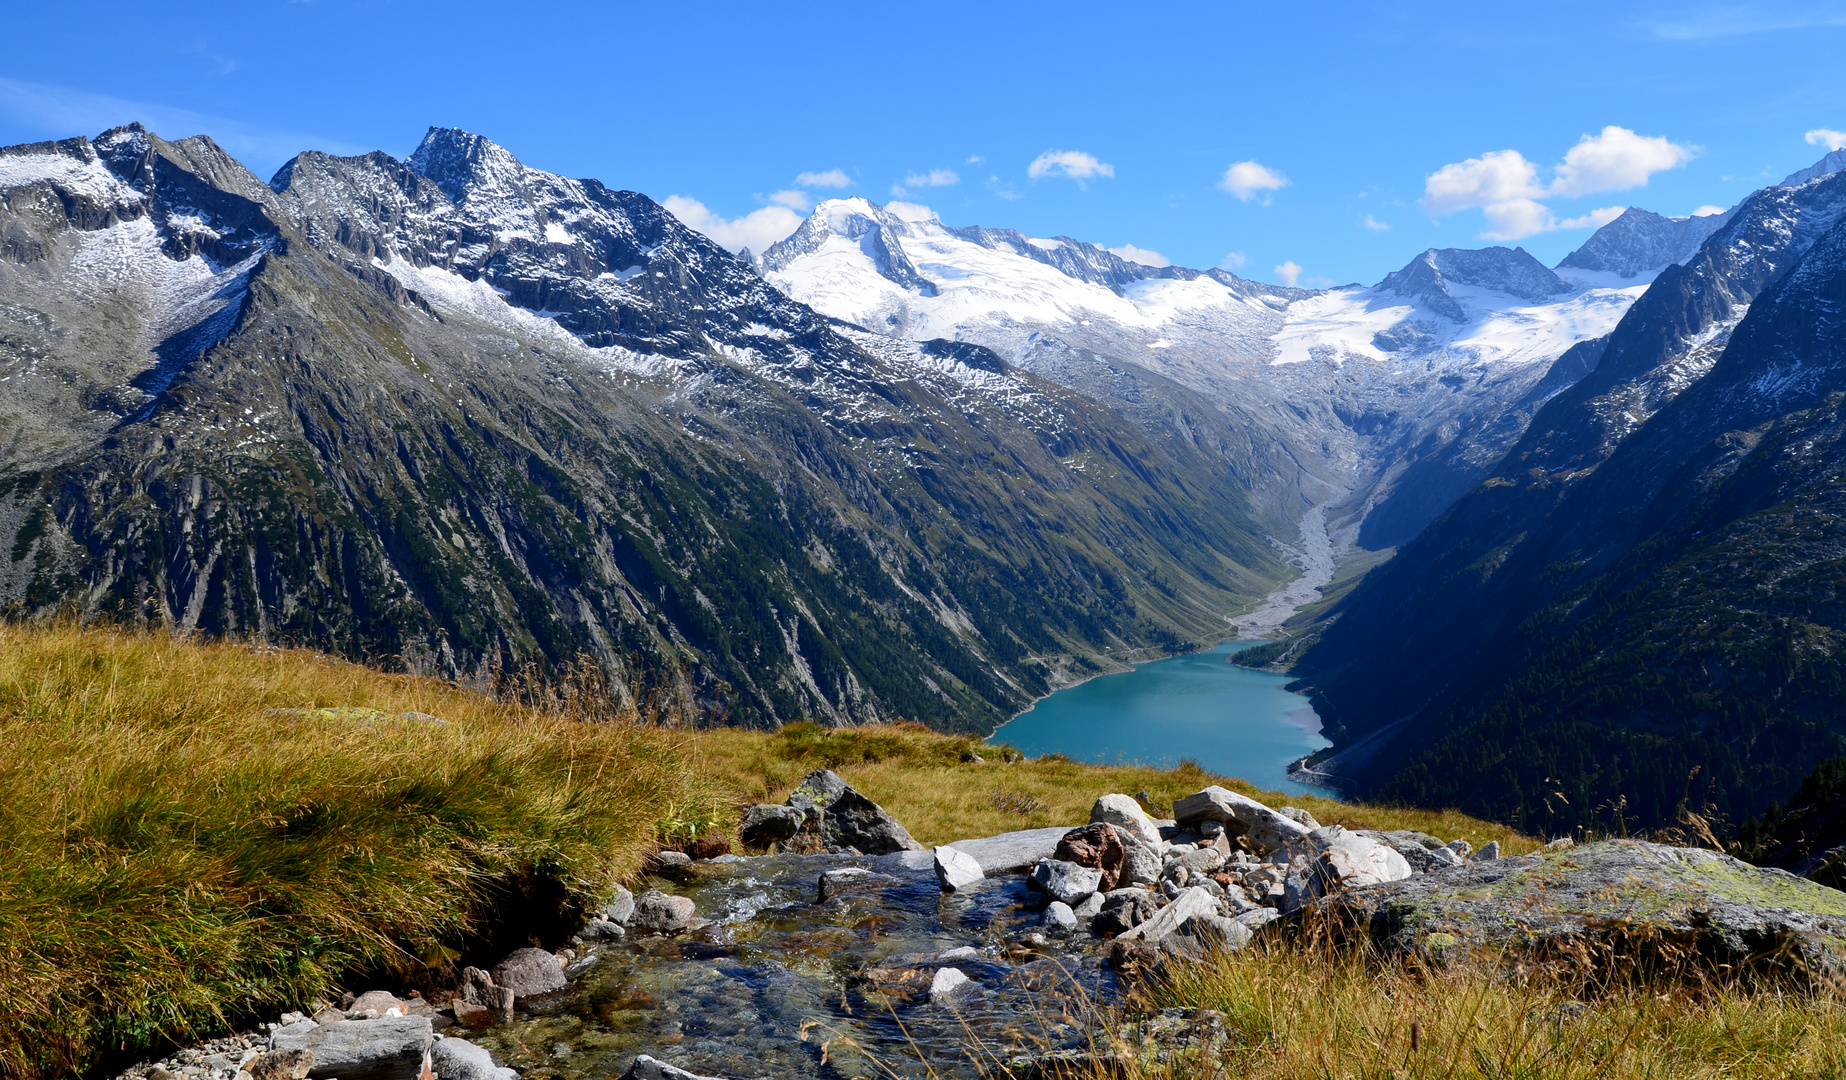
{"type": "Point", "coordinates": [530, 972]}
{"type": "Point", "coordinates": [1096, 846]}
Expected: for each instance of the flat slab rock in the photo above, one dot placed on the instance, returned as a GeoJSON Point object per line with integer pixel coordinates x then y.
{"type": "Point", "coordinates": [1013, 852]}
{"type": "Point", "coordinates": [1732, 911]}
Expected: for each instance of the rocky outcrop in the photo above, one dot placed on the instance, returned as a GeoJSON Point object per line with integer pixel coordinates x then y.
{"type": "Point", "coordinates": [825, 813]}
{"type": "Point", "coordinates": [1609, 896]}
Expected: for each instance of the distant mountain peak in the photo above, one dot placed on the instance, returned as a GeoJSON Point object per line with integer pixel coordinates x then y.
{"type": "Point", "coordinates": [455, 160]}
{"type": "Point", "coordinates": [1826, 166]}
{"type": "Point", "coordinates": [1642, 242]}
{"type": "Point", "coordinates": [1509, 270]}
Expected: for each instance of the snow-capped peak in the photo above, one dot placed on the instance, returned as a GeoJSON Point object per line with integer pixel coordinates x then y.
{"type": "Point", "coordinates": [1826, 166]}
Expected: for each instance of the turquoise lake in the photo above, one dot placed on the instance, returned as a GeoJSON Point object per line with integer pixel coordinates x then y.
{"type": "Point", "coordinates": [1231, 720]}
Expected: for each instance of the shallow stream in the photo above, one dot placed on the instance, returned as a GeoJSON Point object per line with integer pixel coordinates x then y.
{"type": "Point", "coordinates": [778, 985]}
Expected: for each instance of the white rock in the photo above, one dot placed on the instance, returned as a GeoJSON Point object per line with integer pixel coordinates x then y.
{"type": "Point", "coordinates": [1331, 859]}
{"type": "Point", "coordinates": [1059, 916]}
{"type": "Point", "coordinates": [1188, 903]}
{"type": "Point", "coordinates": [1014, 851]}
{"type": "Point", "coordinates": [948, 985]}
{"type": "Point", "coordinates": [1090, 908]}
{"type": "Point", "coordinates": [1125, 813]}
{"type": "Point", "coordinates": [957, 869]}
{"type": "Point", "coordinates": [1267, 829]}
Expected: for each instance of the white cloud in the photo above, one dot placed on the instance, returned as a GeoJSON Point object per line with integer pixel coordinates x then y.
{"type": "Point", "coordinates": [794, 200]}
{"type": "Point", "coordinates": [1141, 255]}
{"type": "Point", "coordinates": [911, 211]}
{"type": "Point", "coordinates": [830, 178]}
{"type": "Point", "coordinates": [1505, 186]}
{"type": "Point", "coordinates": [1707, 210]}
{"type": "Point", "coordinates": [1247, 179]}
{"type": "Point", "coordinates": [1072, 163]}
{"type": "Point", "coordinates": [1595, 219]}
{"type": "Point", "coordinates": [932, 178]}
{"type": "Point", "coordinates": [755, 230]}
{"type": "Point", "coordinates": [974, 159]}
{"type": "Point", "coordinates": [1289, 272]}
{"type": "Point", "coordinates": [1616, 160]}
{"type": "Point", "coordinates": [1827, 137]}
{"type": "Point", "coordinates": [1375, 225]}
{"type": "Point", "coordinates": [1233, 260]}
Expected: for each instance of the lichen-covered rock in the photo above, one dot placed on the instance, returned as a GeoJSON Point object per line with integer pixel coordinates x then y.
{"type": "Point", "coordinates": [1612, 892]}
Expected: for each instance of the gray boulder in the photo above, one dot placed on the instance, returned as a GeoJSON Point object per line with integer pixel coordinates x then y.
{"type": "Point", "coordinates": [1616, 891]}
{"type": "Point", "coordinates": [649, 1068]}
{"type": "Point", "coordinates": [1299, 816]}
{"type": "Point", "coordinates": [1060, 917]}
{"type": "Point", "coordinates": [530, 972]}
{"type": "Point", "coordinates": [1126, 814]}
{"type": "Point", "coordinates": [1065, 881]}
{"type": "Point", "coordinates": [1488, 853]}
{"type": "Point", "coordinates": [1461, 848]}
{"type": "Point", "coordinates": [386, 1048]}
{"type": "Point", "coordinates": [1331, 859]}
{"type": "Point", "coordinates": [662, 913]}
{"type": "Point", "coordinates": [459, 1059]}
{"type": "Point", "coordinates": [1013, 852]}
{"type": "Point", "coordinates": [957, 869]}
{"type": "Point", "coordinates": [848, 819]}
{"type": "Point", "coordinates": [1123, 910]}
{"type": "Point", "coordinates": [767, 825]}
{"type": "Point", "coordinates": [1266, 829]}
{"type": "Point", "coordinates": [1140, 865]}
{"type": "Point", "coordinates": [1090, 907]}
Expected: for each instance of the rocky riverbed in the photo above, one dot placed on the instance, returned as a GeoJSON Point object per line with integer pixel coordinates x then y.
{"type": "Point", "coordinates": [850, 950]}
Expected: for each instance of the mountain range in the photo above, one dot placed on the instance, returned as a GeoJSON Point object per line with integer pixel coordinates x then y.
{"type": "Point", "coordinates": [453, 414]}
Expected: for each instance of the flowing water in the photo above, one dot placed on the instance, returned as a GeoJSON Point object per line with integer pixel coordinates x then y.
{"type": "Point", "coordinates": [1233, 721]}
{"type": "Point", "coordinates": [778, 985]}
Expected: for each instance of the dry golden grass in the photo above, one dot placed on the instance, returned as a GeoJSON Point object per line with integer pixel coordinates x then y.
{"type": "Point", "coordinates": [931, 783]}
{"type": "Point", "coordinates": [176, 857]}
{"type": "Point", "coordinates": [1297, 1012]}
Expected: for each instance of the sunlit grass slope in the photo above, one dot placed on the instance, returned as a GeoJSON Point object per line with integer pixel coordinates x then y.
{"type": "Point", "coordinates": [173, 853]}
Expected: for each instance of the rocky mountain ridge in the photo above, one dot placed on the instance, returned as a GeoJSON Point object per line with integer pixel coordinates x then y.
{"type": "Point", "coordinates": [1634, 613]}
{"type": "Point", "coordinates": [461, 415]}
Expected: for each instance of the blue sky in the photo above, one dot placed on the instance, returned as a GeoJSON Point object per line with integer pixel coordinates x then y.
{"type": "Point", "coordinates": [1325, 142]}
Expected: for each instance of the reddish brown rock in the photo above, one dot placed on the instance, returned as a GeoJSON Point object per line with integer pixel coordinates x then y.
{"type": "Point", "coordinates": [1098, 847]}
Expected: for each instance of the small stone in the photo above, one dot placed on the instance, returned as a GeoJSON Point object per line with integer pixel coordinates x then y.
{"type": "Point", "coordinates": [1488, 853]}
{"type": "Point", "coordinates": [662, 913]}
{"type": "Point", "coordinates": [1461, 847]}
{"type": "Point", "coordinates": [960, 952]}
{"type": "Point", "coordinates": [671, 860]}
{"type": "Point", "coordinates": [470, 1015]}
{"type": "Point", "coordinates": [648, 1068]}
{"type": "Point", "coordinates": [1060, 917]}
{"type": "Point", "coordinates": [620, 908]}
{"type": "Point", "coordinates": [1560, 844]}
{"type": "Point", "coordinates": [1140, 866]}
{"type": "Point", "coordinates": [529, 973]}
{"type": "Point", "coordinates": [603, 930]}
{"type": "Point", "coordinates": [1065, 881]}
{"type": "Point", "coordinates": [956, 869]}
{"type": "Point", "coordinates": [1443, 858]}
{"type": "Point", "coordinates": [1090, 908]}
{"type": "Point", "coordinates": [281, 1065]}
{"type": "Point", "coordinates": [949, 984]}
